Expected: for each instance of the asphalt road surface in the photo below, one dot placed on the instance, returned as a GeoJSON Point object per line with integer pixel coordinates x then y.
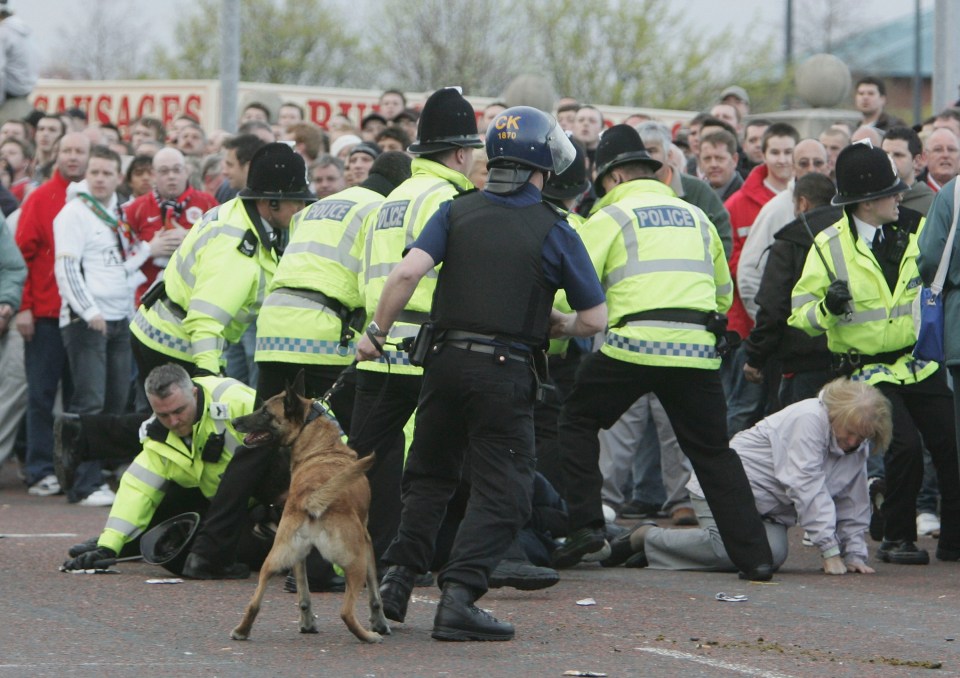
{"type": "Point", "coordinates": [901, 621]}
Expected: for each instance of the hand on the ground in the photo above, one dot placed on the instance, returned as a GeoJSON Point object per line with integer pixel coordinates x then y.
{"type": "Point", "coordinates": [859, 566]}
{"type": "Point", "coordinates": [834, 565]}
{"type": "Point", "coordinates": [97, 559]}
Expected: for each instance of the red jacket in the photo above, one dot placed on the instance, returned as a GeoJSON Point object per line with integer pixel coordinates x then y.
{"type": "Point", "coordinates": [35, 240]}
{"type": "Point", "coordinates": [743, 206]}
{"type": "Point", "coordinates": [143, 215]}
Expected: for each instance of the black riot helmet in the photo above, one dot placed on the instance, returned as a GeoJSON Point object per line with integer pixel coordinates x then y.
{"type": "Point", "coordinates": [521, 140]}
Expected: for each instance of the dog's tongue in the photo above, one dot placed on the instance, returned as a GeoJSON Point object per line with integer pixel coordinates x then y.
{"type": "Point", "coordinates": [255, 438]}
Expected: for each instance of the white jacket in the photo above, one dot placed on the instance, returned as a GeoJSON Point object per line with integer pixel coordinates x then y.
{"type": "Point", "coordinates": [777, 213]}
{"type": "Point", "coordinates": [799, 475]}
{"type": "Point", "coordinates": [93, 277]}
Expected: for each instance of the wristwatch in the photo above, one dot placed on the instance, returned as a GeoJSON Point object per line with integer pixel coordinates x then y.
{"type": "Point", "coordinates": [374, 329]}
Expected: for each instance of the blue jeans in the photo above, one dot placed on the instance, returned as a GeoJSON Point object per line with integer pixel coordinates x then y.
{"type": "Point", "coordinates": [100, 368]}
{"type": "Point", "coordinates": [745, 400]}
{"type": "Point", "coordinates": [45, 360]}
{"type": "Point", "coordinates": [239, 357]}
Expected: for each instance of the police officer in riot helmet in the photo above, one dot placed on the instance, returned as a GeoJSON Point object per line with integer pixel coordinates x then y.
{"type": "Point", "coordinates": [505, 253]}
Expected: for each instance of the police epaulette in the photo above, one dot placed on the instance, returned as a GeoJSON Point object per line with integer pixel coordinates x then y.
{"type": "Point", "coordinates": [157, 431]}
{"type": "Point", "coordinates": [248, 246]}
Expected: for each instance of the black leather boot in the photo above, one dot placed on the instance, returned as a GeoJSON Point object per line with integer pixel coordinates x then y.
{"type": "Point", "coordinates": [459, 619]}
{"type": "Point", "coordinates": [395, 590]}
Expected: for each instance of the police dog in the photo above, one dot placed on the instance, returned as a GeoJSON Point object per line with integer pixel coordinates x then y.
{"type": "Point", "coordinates": [326, 507]}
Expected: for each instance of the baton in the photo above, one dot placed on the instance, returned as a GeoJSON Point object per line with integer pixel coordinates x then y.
{"type": "Point", "coordinates": [848, 308]}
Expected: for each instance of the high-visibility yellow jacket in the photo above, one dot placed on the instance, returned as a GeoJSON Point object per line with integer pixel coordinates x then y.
{"type": "Point", "coordinates": [215, 284]}
{"type": "Point", "coordinates": [324, 255]}
{"type": "Point", "coordinates": [396, 225]}
{"type": "Point", "coordinates": [652, 251]}
{"type": "Point", "coordinates": [165, 458]}
{"type": "Point", "coordinates": [882, 320]}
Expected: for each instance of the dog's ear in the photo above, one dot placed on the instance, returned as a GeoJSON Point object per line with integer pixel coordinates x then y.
{"type": "Point", "coordinates": [298, 384]}
{"type": "Point", "coordinates": [292, 404]}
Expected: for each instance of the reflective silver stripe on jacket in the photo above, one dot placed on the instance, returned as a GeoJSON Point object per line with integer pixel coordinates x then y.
{"type": "Point", "coordinates": [184, 268]}
{"type": "Point", "coordinates": [147, 477]}
{"type": "Point", "coordinates": [801, 299]}
{"type": "Point", "coordinates": [209, 344]}
{"type": "Point", "coordinates": [288, 298]}
{"type": "Point", "coordinates": [666, 348]}
{"type": "Point", "coordinates": [633, 266]}
{"type": "Point", "coordinates": [159, 336]}
{"type": "Point", "coordinates": [127, 529]}
{"type": "Point", "coordinates": [325, 251]}
{"type": "Point", "coordinates": [415, 210]}
{"type": "Point", "coordinates": [812, 319]}
{"type": "Point", "coordinates": [208, 308]}
{"type": "Point", "coordinates": [860, 317]}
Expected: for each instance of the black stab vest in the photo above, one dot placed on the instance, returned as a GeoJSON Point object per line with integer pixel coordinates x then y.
{"type": "Point", "coordinates": [492, 279]}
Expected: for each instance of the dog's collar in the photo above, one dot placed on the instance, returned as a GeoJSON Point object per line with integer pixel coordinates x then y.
{"type": "Point", "coordinates": [319, 409]}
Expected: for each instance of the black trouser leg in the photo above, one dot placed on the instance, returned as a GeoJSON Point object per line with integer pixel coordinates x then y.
{"type": "Point", "coordinates": [903, 462]}
{"type": "Point", "coordinates": [694, 402]}
{"type": "Point", "coordinates": [220, 531]}
{"type": "Point", "coordinates": [147, 358]}
{"type": "Point", "coordinates": [383, 404]}
{"type": "Point", "coordinates": [546, 418]}
{"type": "Point", "coordinates": [928, 405]}
{"type": "Point", "coordinates": [110, 437]}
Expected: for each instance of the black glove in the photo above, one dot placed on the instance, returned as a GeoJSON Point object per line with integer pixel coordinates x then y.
{"type": "Point", "coordinates": [97, 559]}
{"type": "Point", "coordinates": [838, 297]}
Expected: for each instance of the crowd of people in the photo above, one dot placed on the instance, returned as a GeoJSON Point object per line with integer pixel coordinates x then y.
{"type": "Point", "coordinates": [729, 309]}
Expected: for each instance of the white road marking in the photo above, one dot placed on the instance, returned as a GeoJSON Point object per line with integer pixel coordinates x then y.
{"type": "Point", "coordinates": [709, 661]}
{"type": "Point", "coordinates": [33, 536]}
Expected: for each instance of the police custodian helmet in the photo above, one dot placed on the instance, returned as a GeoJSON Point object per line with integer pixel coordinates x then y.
{"type": "Point", "coordinates": [865, 173]}
{"type": "Point", "coordinates": [620, 145]}
{"type": "Point", "coordinates": [447, 121]}
{"type": "Point", "coordinates": [523, 139]}
{"type": "Point", "coordinates": [277, 173]}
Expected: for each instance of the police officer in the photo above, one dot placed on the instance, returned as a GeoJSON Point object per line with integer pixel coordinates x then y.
{"type": "Point", "coordinates": [666, 278]}
{"type": "Point", "coordinates": [858, 287]}
{"type": "Point", "coordinates": [216, 280]}
{"type": "Point", "coordinates": [504, 254]}
{"type": "Point", "coordinates": [388, 387]}
{"type": "Point", "coordinates": [305, 324]}
{"type": "Point", "coordinates": [314, 298]}
{"type": "Point", "coordinates": [187, 444]}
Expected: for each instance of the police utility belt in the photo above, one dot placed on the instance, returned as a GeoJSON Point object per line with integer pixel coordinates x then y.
{"type": "Point", "coordinates": [350, 319]}
{"type": "Point", "coordinates": [845, 364]}
{"type": "Point", "coordinates": [430, 340]}
{"type": "Point", "coordinates": [715, 323]}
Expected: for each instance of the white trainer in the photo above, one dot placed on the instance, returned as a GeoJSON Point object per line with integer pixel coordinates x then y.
{"type": "Point", "coordinates": [45, 487]}
{"type": "Point", "coordinates": [927, 524]}
{"type": "Point", "coordinates": [102, 496]}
